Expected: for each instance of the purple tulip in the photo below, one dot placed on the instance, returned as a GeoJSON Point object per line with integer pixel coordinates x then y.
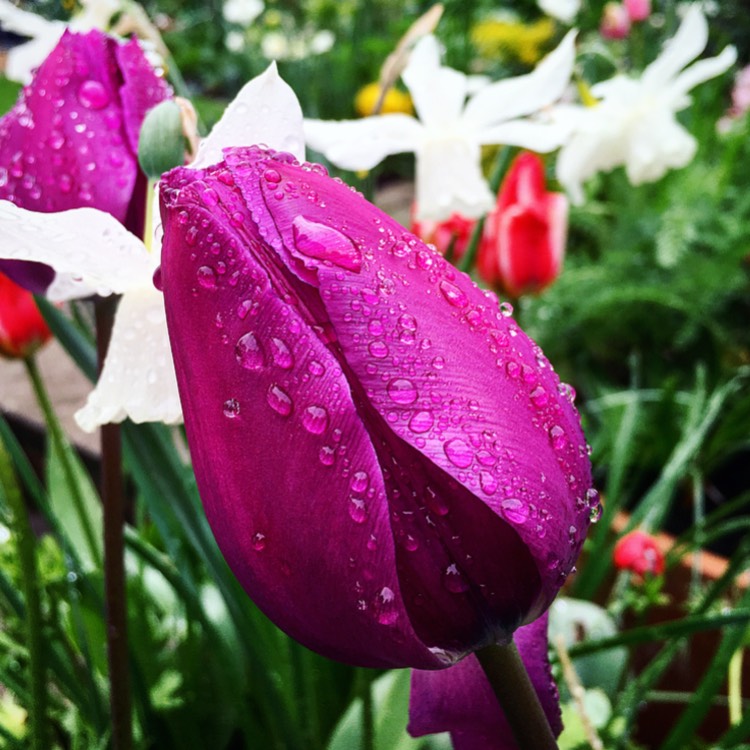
{"type": "Point", "coordinates": [389, 464]}
{"type": "Point", "coordinates": [71, 140]}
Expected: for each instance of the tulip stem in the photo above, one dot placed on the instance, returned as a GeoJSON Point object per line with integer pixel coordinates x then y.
{"type": "Point", "coordinates": [27, 563]}
{"type": "Point", "coordinates": [114, 554]}
{"type": "Point", "coordinates": [511, 684]}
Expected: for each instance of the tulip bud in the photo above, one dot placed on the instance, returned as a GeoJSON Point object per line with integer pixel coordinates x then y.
{"type": "Point", "coordinates": [161, 144]}
{"type": "Point", "coordinates": [639, 553]}
{"type": "Point", "coordinates": [452, 234]}
{"type": "Point", "coordinates": [615, 23]}
{"type": "Point", "coordinates": [379, 448]}
{"type": "Point", "coordinates": [523, 244]}
{"type": "Point", "coordinates": [638, 10]}
{"type": "Point", "coordinates": [22, 327]}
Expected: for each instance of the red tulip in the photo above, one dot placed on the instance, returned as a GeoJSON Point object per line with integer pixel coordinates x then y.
{"type": "Point", "coordinates": [524, 236]}
{"type": "Point", "coordinates": [22, 327]}
{"type": "Point", "coordinates": [452, 234]}
{"type": "Point", "coordinates": [639, 553]}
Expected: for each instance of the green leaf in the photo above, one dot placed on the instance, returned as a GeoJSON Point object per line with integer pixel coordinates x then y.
{"type": "Point", "coordinates": [390, 695]}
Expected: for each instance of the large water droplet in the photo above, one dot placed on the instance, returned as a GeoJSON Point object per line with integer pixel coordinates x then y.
{"type": "Point", "coordinates": [360, 481]}
{"type": "Point", "coordinates": [385, 606]}
{"type": "Point", "coordinates": [249, 352]}
{"type": "Point", "coordinates": [322, 242]}
{"type": "Point", "coordinates": [378, 349]}
{"type": "Point", "coordinates": [357, 509]}
{"type": "Point", "coordinates": [327, 455]}
{"type": "Point", "coordinates": [279, 400]}
{"type": "Point", "coordinates": [231, 408]}
{"type": "Point", "coordinates": [421, 422]}
{"type": "Point", "coordinates": [402, 391]}
{"type": "Point", "coordinates": [458, 453]}
{"type": "Point", "coordinates": [315, 419]}
{"type": "Point", "coordinates": [515, 510]}
{"type": "Point", "coordinates": [281, 354]}
{"type": "Point", "coordinates": [454, 580]}
{"type": "Point", "coordinates": [453, 294]}
{"type": "Point", "coordinates": [557, 437]}
{"type": "Point", "coordinates": [93, 95]}
{"type": "Point", "coordinates": [207, 277]}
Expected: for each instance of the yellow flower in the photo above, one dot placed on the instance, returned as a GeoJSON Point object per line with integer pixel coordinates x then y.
{"type": "Point", "coordinates": [395, 101]}
{"type": "Point", "coordinates": [512, 39]}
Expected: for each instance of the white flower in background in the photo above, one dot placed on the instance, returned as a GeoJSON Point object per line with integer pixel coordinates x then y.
{"type": "Point", "coordinates": [634, 122]}
{"type": "Point", "coordinates": [44, 35]}
{"type": "Point", "coordinates": [242, 12]}
{"type": "Point", "coordinates": [92, 253]}
{"type": "Point", "coordinates": [451, 129]}
{"type": "Point", "coordinates": [563, 10]}
{"type": "Point", "coordinates": [284, 45]}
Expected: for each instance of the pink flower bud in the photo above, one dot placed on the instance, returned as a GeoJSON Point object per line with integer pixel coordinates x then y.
{"type": "Point", "coordinates": [615, 23]}
{"type": "Point", "coordinates": [638, 10]}
{"type": "Point", "coordinates": [639, 553]}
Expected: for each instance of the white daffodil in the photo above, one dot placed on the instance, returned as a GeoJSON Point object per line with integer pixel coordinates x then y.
{"type": "Point", "coordinates": [564, 11]}
{"type": "Point", "coordinates": [451, 129]}
{"type": "Point", "coordinates": [44, 34]}
{"type": "Point", "coordinates": [92, 253]}
{"type": "Point", "coordinates": [634, 122]}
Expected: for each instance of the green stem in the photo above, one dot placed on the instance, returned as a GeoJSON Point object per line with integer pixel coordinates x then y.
{"type": "Point", "coordinates": [61, 445]}
{"type": "Point", "coordinates": [511, 684]}
{"type": "Point", "coordinates": [498, 172]}
{"type": "Point", "coordinates": [114, 554]}
{"type": "Point", "coordinates": [364, 689]}
{"type": "Point", "coordinates": [26, 547]}
{"type": "Point", "coordinates": [734, 680]}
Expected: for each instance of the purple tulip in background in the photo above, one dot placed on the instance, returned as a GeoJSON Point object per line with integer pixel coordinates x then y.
{"type": "Point", "coordinates": [389, 464]}
{"type": "Point", "coordinates": [71, 140]}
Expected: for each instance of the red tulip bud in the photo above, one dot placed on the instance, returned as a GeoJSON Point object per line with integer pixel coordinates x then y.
{"type": "Point", "coordinates": [639, 553]}
{"type": "Point", "coordinates": [22, 327]}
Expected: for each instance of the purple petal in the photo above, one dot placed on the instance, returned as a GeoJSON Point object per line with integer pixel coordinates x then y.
{"type": "Point", "coordinates": [36, 277]}
{"type": "Point", "coordinates": [459, 700]}
{"type": "Point", "coordinates": [286, 470]}
{"type": "Point", "coordinates": [473, 451]}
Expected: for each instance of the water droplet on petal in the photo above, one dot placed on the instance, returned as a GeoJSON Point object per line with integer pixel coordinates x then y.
{"type": "Point", "coordinates": [421, 422]}
{"type": "Point", "coordinates": [506, 309]}
{"type": "Point", "coordinates": [281, 354]}
{"type": "Point", "coordinates": [357, 509]}
{"type": "Point", "coordinates": [557, 437]}
{"type": "Point", "coordinates": [402, 391]}
{"type": "Point", "coordinates": [249, 353]}
{"type": "Point", "coordinates": [360, 481]}
{"type": "Point", "coordinates": [315, 419]}
{"type": "Point", "coordinates": [378, 349]}
{"type": "Point", "coordinates": [327, 455]}
{"type": "Point", "coordinates": [258, 542]}
{"type": "Point", "coordinates": [458, 453]}
{"type": "Point", "coordinates": [322, 242]}
{"type": "Point", "coordinates": [315, 368]}
{"type": "Point", "coordinates": [387, 612]}
{"type": "Point", "coordinates": [93, 95]}
{"type": "Point", "coordinates": [231, 408]}
{"type": "Point", "coordinates": [207, 277]}
{"type": "Point", "coordinates": [454, 580]}
{"type": "Point", "coordinates": [279, 400]}
{"type": "Point", "coordinates": [515, 510]}
{"type": "Point", "coordinates": [453, 294]}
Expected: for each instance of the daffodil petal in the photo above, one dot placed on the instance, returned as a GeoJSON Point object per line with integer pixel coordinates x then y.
{"type": "Point", "coordinates": [541, 137]}
{"type": "Point", "coordinates": [89, 250]}
{"type": "Point", "coordinates": [265, 112]}
{"type": "Point", "coordinates": [438, 92]}
{"type": "Point", "coordinates": [701, 71]}
{"type": "Point", "coordinates": [689, 41]}
{"type": "Point", "coordinates": [514, 97]}
{"type": "Point", "coordinates": [361, 144]}
{"type": "Point", "coordinates": [138, 379]}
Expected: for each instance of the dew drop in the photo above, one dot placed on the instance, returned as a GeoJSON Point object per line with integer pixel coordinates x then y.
{"type": "Point", "coordinates": [453, 294]}
{"type": "Point", "coordinates": [281, 354]}
{"type": "Point", "coordinates": [506, 309]}
{"type": "Point", "coordinates": [258, 542]}
{"type": "Point", "coordinates": [539, 396]}
{"type": "Point", "coordinates": [279, 400]}
{"type": "Point", "coordinates": [322, 242]}
{"type": "Point", "coordinates": [458, 453]}
{"type": "Point", "coordinates": [327, 455]}
{"type": "Point", "coordinates": [249, 352]}
{"type": "Point", "coordinates": [315, 368]}
{"type": "Point", "coordinates": [488, 483]}
{"type": "Point", "coordinates": [454, 580]}
{"type": "Point", "coordinates": [375, 327]}
{"type": "Point", "coordinates": [421, 422]}
{"type": "Point", "coordinates": [515, 510]}
{"type": "Point", "coordinates": [410, 543]}
{"type": "Point", "coordinates": [231, 408]}
{"type": "Point", "coordinates": [207, 277]}
{"type": "Point", "coordinates": [357, 509]}
{"type": "Point", "coordinates": [557, 437]}
{"type": "Point", "coordinates": [93, 95]}
{"type": "Point", "coordinates": [436, 503]}
{"type": "Point", "coordinates": [378, 349]}
{"type": "Point", "coordinates": [402, 391]}
{"type": "Point", "coordinates": [315, 419]}
{"type": "Point", "coordinates": [360, 481]}
{"type": "Point", "coordinates": [387, 612]}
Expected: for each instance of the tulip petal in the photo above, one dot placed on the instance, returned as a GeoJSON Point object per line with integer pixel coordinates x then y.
{"type": "Point", "coordinates": [90, 251]}
{"type": "Point", "coordinates": [466, 393]}
{"type": "Point", "coordinates": [141, 90]}
{"type": "Point", "coordinates": [265, 111]}
{"type": "Point", "coordinates": [460, 700]}
{"type": "Point", "coordinates": [361, 144]}
{"type": "Point", "coordinates": [138, 379]}
{"type": "Point", "coordinates": [524, 95]}
{"type": "Point", "coordinates": [254, 359]}
{"type": "Point", "coordinates": [65, 132]}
